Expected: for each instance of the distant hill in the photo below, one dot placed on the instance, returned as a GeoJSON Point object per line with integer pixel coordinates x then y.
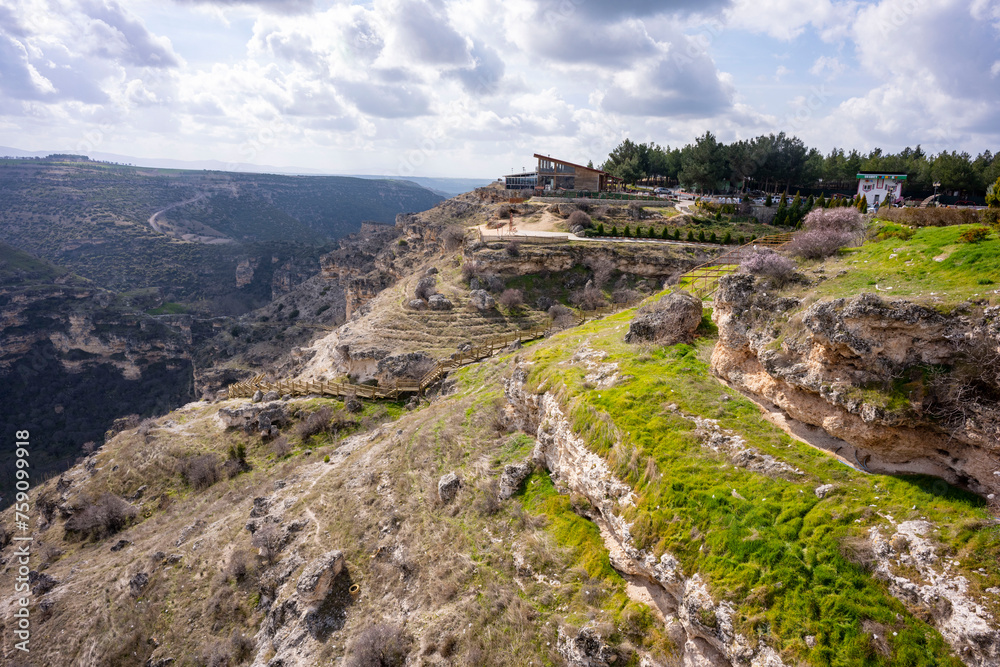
{"type": "Point", "coordinates": [94, 219]}
{"type": "Point", "coordinates": [446, 187]}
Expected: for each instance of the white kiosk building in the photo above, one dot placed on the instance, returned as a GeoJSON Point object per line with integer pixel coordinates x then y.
{"type": "Point", "coordinates": [878, 186]}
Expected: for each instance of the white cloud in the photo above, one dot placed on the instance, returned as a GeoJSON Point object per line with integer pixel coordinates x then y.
{"type": "Point", "coordinates": [828, 67]}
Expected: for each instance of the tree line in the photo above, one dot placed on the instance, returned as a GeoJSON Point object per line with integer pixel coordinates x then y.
{"type": "Point", "coordinates": [782, 163]}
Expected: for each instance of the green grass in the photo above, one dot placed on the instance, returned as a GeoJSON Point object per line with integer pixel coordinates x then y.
{"type": "Point", "coordinates": [783, 556]}
{"type": "Point", "coordinates": [930, 267]}
{"type": "Point", "coordinates": [169, 308]}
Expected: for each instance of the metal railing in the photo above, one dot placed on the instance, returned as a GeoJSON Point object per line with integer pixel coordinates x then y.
{"type": "Point", "coordinates": [703, 280]}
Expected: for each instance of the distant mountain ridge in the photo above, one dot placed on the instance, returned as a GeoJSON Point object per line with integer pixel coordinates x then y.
{"type": "Point", "coordinates": [444, 186]}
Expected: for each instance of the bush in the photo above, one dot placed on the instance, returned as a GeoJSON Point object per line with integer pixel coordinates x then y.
{"type": "Point", "coordinates": [826, 231]}
{"type": "Point", "coordinates": [425, 287]}
{"type": "Point", "coordinates": [239, 567]}
{"type": "Point", "coordinates": [511, 299]}
{"type": "Point", "coordinates": [315, 422]}
{"type": "Point", "coordinates": [767, 264]}
{"type": "Point", "coordinates": [269, 542]}
{"type": "Point", "coordinates": [470, 270]}
{"type": "Point", "coordinates": [891, 230]}
{"type": "Point", "coordinates": [624, 295]}
{"type": "Point", "coordinates": [602, 267]}
{"type": "Point", "coordinates": [380, 645]}
{"type": "Point", "coordinates": [202, 471]}
{"type": "Point", "coordinates": [281, 447]}
{"type": "Point", "coordinates": [562, 316]}
{"type": "Point", "coordinates": [237, 461]}
{"type": "Point", "coordinates": [589, 298]}
{"type": "Point", "coordinates": [579, 218]}
{"type": "Point", "coordinates": [974, 235]}
{"type": "Point", "coordinates": [106, 516]}
{"type": "Point", "coordinates": [514, 248]}
{"type": "Point", "coordinates": [932, 217]}
{"type": "Point", "coordinates": [453, 238]}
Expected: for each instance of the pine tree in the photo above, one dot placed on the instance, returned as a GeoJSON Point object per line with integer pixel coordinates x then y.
{"type": "Point", "coordinates": [781, 217]}
{"type": "Point", "coordinates": [713, 239]}
{"type": "Point", "coordinates": [701, 235]}
{"type": "Point", "coordinates": [768, 201]}
{"type": "Point", "coordinates": [810, 202]}
{"type": "Point", "coordinates": [665, 234]}
{"type": "Point", "coordinates": [600, 229]}
{"type": "Point", "coordinates": [690, 236]}
{"type": "Point", "coordinates": [614, 230]}
{"type": "Point", "coordinates": [795, 211]}
{"type": "Point", "coordinates": [677, 234]}
{"type": "Point", "coordinates": [863, 204]}
{"type": "Point", "coordinates": [727, 239]}
{"type": "Point", "coordinates": [628, 232]}
{"type": "Point", "coordinates": [742, 239]}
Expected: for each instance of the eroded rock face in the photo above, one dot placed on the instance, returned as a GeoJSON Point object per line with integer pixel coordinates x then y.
{"type": "Point", "coordinates": [672, 319]}
{"type": "Point", "coordinates": [314, 583]}
{"type": "Point", "coordinates": [684, 602]}
{"type": "Point", "coordinates": [409, 366]}
{"type": "Point", "coordinates": [252, 417]}
{"type": "Point", "coordinates": [814, 363]}
{"type": "Point", "coordinates": [962, 621]}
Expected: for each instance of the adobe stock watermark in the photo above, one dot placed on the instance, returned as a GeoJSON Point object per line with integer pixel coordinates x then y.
{"type": "Point", "coordinates": [21, 624]}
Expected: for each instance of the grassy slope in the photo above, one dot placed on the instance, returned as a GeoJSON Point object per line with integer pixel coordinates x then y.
{"type": "Point", "coordinates": [782, 555]}
{"type": "Point", "coordinates": [932, 267]}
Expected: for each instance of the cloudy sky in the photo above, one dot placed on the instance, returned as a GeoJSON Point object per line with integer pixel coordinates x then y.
{"type": "Point", "coordinates": [474, 87]}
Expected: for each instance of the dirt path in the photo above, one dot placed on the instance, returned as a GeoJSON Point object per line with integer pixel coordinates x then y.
{"type": "Point", "coordinates": [160, 227]}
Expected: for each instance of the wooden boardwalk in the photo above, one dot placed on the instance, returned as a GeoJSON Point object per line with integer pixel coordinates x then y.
{"type": "Point", "coordinates": [396, 389]}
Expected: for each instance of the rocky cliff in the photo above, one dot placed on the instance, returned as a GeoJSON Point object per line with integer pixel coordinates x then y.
{"type": "Point", "coordinates": [905, 388]}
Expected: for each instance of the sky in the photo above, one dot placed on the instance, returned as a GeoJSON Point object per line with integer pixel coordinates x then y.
{"type": "Point", "coordinates": [473, 88]}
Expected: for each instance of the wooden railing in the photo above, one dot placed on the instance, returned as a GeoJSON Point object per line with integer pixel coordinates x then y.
{"type": "Point", "coordinates": [703, 280]}
{"type": "Point", "coordinates": [396, 388]}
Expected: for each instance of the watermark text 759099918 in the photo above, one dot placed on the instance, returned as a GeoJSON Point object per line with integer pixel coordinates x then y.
{"type": "Point", "coordinates": [22, 540]}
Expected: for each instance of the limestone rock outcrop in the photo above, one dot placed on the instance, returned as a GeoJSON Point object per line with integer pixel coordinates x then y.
{"type": "Point", "coordinates": [835, 363]}
{"type": "Point", "coordinates": [672, 319]}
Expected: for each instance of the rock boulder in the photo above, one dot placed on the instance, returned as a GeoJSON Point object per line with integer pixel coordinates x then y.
{"type": "Point", "coordinates": [672, 319]}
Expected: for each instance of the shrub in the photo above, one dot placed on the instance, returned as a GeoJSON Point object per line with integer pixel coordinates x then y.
{"type": "Point", "coordinates": [974, 235]}
{"type": "Point", "coordinates": [931, 217]}
{"type": "Point", "coordinates": [625, 295]}
{"type": "Point", "coordinates": [511, 299]}
{"type": "Point", "coordinates": [237, 461]}
{"type": "Point", "coordinates": [589, 298]}
{"type": "Point", "coordinates": [768, 264]}
{"type": "Point", "coordinates": [239, 567]}
{"type": "Point", "coordinates": [202, 471]}
{"type": "Point", "coordinates": [281, 447]}
{"type": "Point", "coordinates": [315, 422]}
{"type": "Point", "coordinates": [453, 238]}
{"type": "Point", "coordinates": [690, 236]}
{"type": "Point", "coordinates": [701, 235]}
{"type": "Point", "coordinates": [514, 248]}
{"type": "Point", "coordinates": [106, 516]}
{"type": "Point", "coordinates": [269, 542]}
{"type": "Point", "coordinates": [826, 231]}
{"type": "Point", "coordinates": [891, 230]}
{"type": "Point", "coordinates": [562, 316]}
{"type": "Point", "coordinates": [600, 229]}
{"type": "Point", "coordinates": [816, 244]}
{"type": "Point", "coordinates": [602, 267]}
{"type": "Point", "coordinates": [380, 645]}
{"type": "Point", "coordinates": [425, 287]}
{"type": "Point", "coordinates": [470, 270]}
{"type": "Point", "coordinates": [579, 219]}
